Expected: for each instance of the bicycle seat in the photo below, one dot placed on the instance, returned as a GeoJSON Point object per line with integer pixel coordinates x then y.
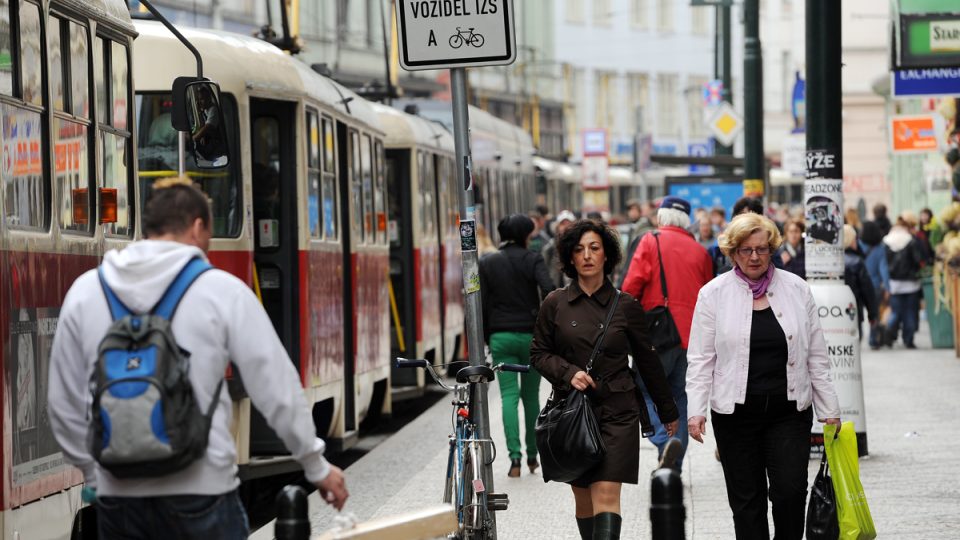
{"type": "Point", "coordinates": [475, 374]}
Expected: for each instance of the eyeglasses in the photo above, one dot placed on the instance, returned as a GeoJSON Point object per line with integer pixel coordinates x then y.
{"type": "Point", "coordinates": [762, 251]}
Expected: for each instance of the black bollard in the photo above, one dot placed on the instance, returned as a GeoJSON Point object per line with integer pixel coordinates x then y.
{"type": "Point", "coordinates": [667, 513]}
{"type": "Point", "coordinates": [292, 520]}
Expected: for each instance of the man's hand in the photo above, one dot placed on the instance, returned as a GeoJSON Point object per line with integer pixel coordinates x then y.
{"type": "Point", "coordinates": [581, 381]}
{"type": "Point", "coordinates": [333, 488]}
{"type": "Point", "coordinates": [672, 428]}
{"type": "Point", "coordinates": [697, 425]}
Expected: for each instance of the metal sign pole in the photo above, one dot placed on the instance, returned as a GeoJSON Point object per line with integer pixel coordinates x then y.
{"type": "Point", "coordinates": [473, 313]}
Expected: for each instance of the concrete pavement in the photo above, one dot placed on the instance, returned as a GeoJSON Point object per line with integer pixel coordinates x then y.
{"type": "Point", "coordinates": [911, 478]}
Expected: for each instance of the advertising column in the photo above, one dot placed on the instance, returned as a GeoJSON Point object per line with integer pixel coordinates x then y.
{"type": "Point", "coordinates": [823, 204]}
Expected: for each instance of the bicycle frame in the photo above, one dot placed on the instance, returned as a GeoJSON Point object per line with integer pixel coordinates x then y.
{"type": "Point", "coordinates": [463, 486]}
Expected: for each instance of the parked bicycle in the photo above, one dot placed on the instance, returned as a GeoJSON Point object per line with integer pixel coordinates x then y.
{"type": "Point", "coordinates": [464, 487]}
{"type": "Point", "coordinates": [466, 37]}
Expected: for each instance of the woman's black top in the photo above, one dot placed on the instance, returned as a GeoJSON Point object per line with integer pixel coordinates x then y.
{"type": "Point", "coordinates": [767, 373]}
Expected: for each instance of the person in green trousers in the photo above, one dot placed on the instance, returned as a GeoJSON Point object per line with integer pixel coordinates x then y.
{"type": "Point", "coordinates": [513, 281]}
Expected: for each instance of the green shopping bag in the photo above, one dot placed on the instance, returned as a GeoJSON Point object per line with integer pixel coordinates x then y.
{"type": "Point", "coordinates": [856, 523]}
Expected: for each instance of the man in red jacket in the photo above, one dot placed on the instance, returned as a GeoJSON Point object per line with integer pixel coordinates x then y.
{"type": "Point", "coordinates": [687, 268]}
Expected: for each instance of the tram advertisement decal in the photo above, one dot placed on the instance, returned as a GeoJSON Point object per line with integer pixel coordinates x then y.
{"type": "Point", "coordinates": [34, 450]}
{"type": "Point", "coordinates": [823, 199]}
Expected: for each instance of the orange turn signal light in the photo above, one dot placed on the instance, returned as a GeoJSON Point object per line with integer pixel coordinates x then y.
{"type": "Point", "coordinates": [80, 198]}
{"type": "Point", "coordinates": [108, 205]}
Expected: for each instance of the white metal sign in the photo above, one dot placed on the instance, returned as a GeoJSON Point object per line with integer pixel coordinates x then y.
{"type": "Point", "coordinates": [596, 170]}
{"type": "Point", "coordinates": [440, 34]}
{"type": "Point", "coordinates": [725, 124]}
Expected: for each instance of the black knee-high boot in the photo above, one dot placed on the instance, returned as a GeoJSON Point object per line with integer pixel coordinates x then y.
{"type": "Point", "coordinates": [586, 528]}
{"type": "Point", "coordinates": [606, 526]}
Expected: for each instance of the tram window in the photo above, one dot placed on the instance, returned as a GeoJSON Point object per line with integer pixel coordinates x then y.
{"type": "Point", "coordinates": [356, 220]}
{"type": "Point", "coordinates": [24, 189]}
{"type": "Point", "coordinates": [380, 216]}
{"type": "Point", "coordinates": [30, 59]}
{"type": "Point", "coordinates": [421, 192]}
{"type": "Point", "coordinates": [118, 86]}
{"type": "Point", "coordinates": [72, 175]}
{"type": "Point", "coordinates": [329, 187]}
{"type": "Point", "coordinates": [99, 69]}
{"type": "Point", "coordinates": [6, 51]}
{"type": "Point", "coordinates": [313, 175]}
{"type": "Point", "coordinates": [79, 72]}
{"type": "Point", "coordinates": [366, 149]}
{"type": "Point", "coordinates": [157, 158]}
{"type": "Point", "coordinates": [115, 176]}
{"type": "Point", "coordinates": [55, 56]}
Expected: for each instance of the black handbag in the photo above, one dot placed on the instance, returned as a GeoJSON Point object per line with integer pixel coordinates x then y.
{"type": "Point", "coordinates": [568, 434]}
{"type": "Point", "coordinates": [822, 522]}
{"type": "Point", "coordinates": [663, 330]}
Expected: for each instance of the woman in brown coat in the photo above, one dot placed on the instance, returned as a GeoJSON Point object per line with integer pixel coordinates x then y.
{"type": "Point", "coordinates": [567, 329]}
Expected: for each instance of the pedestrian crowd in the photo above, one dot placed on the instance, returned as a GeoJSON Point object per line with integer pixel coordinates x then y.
{"type": "Point", "coordinates": [693, 287]}
{"type": "Point", "coordinates": [680, 313]}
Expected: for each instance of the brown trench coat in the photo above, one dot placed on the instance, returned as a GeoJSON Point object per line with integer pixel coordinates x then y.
{"type": "Point", "coordinates": [567, 329]}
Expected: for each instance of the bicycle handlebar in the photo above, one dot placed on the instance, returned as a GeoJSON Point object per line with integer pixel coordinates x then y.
{"type": "Point", "coordinates": [411, 363]}
{"type": "Point", "coordinates": [516, 368]}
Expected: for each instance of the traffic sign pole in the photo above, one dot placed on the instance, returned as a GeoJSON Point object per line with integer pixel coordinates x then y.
{"type": "Point", "coordinates": [754, 164]}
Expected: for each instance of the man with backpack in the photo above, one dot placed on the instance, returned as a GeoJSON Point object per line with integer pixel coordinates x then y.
{"type": "Point", "coordinates": [136, 395]}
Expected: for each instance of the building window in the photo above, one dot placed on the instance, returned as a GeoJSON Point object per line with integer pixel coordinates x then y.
{"type": "Point", "coordinates": [694, 96]}
{"type": "Point", "coordinates": [700, 20]}
{"type": "Point", "coordinates": [602, 15]}
{"type": "Point", "coordinates": [574, 11]}
{"type": "Point", "coordinates": [667, 105]}
{"type": "Point", "coordinates": [607, 99]}
{"type": "Point", "coordinates": [639, 14]}
{"type": "Point", "coordinates": [665, 15]}
{"type": "Point", "coordinates": [639, 96]}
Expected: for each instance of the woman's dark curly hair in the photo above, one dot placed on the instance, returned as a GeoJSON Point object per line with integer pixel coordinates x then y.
{"type": "Point", "coordinates": [571, 238]}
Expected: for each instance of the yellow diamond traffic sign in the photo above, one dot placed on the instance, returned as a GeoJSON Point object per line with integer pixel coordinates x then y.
{"type": "Point", "coordinates": [725, 124]}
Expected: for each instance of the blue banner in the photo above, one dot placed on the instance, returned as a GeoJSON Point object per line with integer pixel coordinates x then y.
{"type": "Point", "coordinates": [926, 82]}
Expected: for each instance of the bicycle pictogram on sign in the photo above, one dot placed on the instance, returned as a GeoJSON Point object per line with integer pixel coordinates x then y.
{"type": "Point", "coordinates": [467, 37]}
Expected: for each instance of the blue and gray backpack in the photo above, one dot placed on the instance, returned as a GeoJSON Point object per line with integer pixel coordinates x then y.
{"type": "Point", "coordinates": [146, 421]}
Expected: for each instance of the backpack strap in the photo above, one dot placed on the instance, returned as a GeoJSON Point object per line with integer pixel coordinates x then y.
{"type": "Point", "coordinates": [663, 277]}
{"type": "Point", "coordinates": [117, 308]}
{"type": "Point", "coordinates": [168, 303]}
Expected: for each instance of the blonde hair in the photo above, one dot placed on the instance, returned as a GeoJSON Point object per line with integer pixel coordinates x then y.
{"type": "Point", "coordinates": [849, 236]}
{"type": "Point", "coordinates": [742, 227]}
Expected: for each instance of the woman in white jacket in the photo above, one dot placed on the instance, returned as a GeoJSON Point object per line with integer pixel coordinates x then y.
{"type": "Point", "coordinates": [758, 357]}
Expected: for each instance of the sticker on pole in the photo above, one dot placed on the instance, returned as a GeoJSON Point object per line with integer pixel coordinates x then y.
{"type": "Point", "coordinates": [468, 235]}
{"type": "Point", "coordinates": [824, 242]}
{"type": "Point", "coordinates": [822, 164]}
{"type": "Point", "coordinates": [440, 34]}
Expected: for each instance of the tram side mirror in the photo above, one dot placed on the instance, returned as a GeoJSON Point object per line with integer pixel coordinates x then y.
{"type": "Point", "coordinates": [197, 111]}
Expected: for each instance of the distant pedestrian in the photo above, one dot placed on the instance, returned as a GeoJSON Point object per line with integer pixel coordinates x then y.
{"type": "Point", "coordinates": [568, 326]}
{"type": "Point", "coordinates": [875, 261]}
{"type": "Point", "coordinates": [856, 277]}
{"type": "Point", "coordinates": [905, 258]}
{"type": "Point", "coordinates": [220, 322]}
{"type": "Point", "coordinates": [550, 257]}
{"type": "Point", "coordinates": [852, 217]}
{"type": "Point", "coordinates": [793, 252]}
{"type": "Point", "coordinates": [744, 205]}
{"type": "Point", "coordinates": [509, 281]}
{"type": "Point", "coordinates": [704, 234]}
{"type": "Point", "coordinates": [687, 268]}
{"type": "Point", "coordinates": [881, 219]}
{"type": "Point", "coordinates": [539, 236]}
{"type": "Point", "coordinates": [758, 360]}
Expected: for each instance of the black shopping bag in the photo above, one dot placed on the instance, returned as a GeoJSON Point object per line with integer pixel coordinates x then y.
{"type": "Point", "coordinates": [822, 522]}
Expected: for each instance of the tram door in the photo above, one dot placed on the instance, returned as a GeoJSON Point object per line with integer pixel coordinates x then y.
{"type": "Point", "coordinates": [273, 166]}
{"type": "Point", "coordinates": [402, 271]}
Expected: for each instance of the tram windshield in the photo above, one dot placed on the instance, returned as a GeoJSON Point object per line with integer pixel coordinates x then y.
{"type": "Point", "coordinates": [157, 158]}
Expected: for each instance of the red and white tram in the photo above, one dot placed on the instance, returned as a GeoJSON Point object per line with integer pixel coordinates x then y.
{"type": "Point", "coordinates": [67, 194]}
{"type": "Point", "coordinates": [300, 216]}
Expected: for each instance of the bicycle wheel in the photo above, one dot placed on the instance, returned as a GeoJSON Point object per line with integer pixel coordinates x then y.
{"type": "Point", "coordinates": [456, 41]}
{"type": "Point", "coordinates": [476, 41]}
{"type": "Point", "coordinates": [475, 513]}
{"type": "Point", "coordinates": [452, 474]}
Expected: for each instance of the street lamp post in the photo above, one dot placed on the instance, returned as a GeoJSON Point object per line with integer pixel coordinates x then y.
{"type": "Point", "coordinates": [754, 170]}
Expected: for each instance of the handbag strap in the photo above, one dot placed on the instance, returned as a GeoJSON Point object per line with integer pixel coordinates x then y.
{"type": "Point", "coordinates": [663, 276]}
{"type": "Point", "coordinates": [603, 331]}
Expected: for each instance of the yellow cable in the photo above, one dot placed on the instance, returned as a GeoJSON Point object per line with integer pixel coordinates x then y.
{"type": "Point", "coordinates": [396, 314]}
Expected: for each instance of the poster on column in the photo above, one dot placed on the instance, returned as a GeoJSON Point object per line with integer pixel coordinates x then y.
{"type": "Point", "coordinates": [823, 201]}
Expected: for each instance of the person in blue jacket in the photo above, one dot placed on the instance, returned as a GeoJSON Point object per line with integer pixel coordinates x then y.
{"type": "Point", "coordinates": [871, 244]}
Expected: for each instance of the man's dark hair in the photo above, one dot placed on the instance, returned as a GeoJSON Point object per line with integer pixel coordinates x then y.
{"type": "Point", "coordinates": [879, 211]}
{"type": "Point", "coordinates": [750, 204]}
{"type": "Point", "coordinates": [543, 210]}
{"type": "Point", "coordinates": [871, 234]}
{"type": "Point", "coordinates": [571, 238]}
{"type": "Point", "coordinates": [172, 206]}
{"type": "Point", "coordinates": [515, 228]}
